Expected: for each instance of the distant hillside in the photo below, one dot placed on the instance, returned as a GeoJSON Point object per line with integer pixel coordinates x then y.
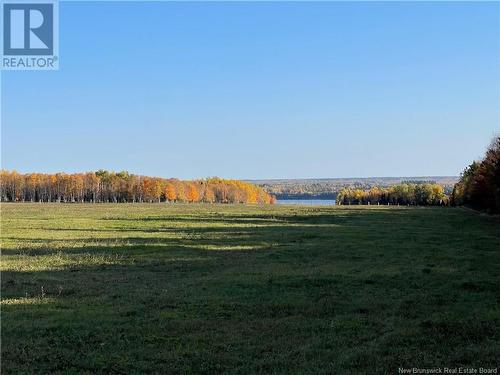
{"type": "Point", "coordinates": [327, 188]}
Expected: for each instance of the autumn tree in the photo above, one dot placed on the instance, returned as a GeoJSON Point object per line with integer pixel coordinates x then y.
{"type": "Point", "coordinates": [192, 193]}
{"type": "Point", "coordinates": [209, 196]}
{"type": "Point", "coordinates": [170, 193]}
{"type": "Point", "coordinates": [479, 184]}
{"type": "Point", "coordinates": [181, 192]}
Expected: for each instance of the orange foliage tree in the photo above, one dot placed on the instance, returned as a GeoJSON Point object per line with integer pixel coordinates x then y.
{"type": "Point", "coordinates": [192, 193]}
{"type": "Point", "coordinates": [170, 193]}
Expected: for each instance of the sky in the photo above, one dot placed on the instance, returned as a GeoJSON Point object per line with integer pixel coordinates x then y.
{"type": "Point", "coordinates": [260, 90]}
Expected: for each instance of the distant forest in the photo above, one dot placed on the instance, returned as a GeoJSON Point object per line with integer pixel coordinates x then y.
{"type": "Point", "coordinates": [329, 188]}
{"type": "Point", "coordinates": [479, 184]}
{"type": "Point", "coordinates": [104, 186]}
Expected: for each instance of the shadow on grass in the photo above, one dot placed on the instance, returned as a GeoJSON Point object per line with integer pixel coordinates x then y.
{"type": "Point", "coordinates": [314, 215]}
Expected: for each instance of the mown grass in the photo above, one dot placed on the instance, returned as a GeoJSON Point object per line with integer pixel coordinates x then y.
{"type": "Point", "coordinates": [240, 289]}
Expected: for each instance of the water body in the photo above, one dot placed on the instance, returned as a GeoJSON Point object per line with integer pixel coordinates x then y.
{"type": "Point", "coordinates": [307, 202]}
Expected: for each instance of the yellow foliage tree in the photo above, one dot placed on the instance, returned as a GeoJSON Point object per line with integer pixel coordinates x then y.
{"type": "Point", "coordinates": [209, 196]}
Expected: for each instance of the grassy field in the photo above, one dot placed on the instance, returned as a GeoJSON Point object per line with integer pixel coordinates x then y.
{"type": "Point", "coordinates": [217, 288]}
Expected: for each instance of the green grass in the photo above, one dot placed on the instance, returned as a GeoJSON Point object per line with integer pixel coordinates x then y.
{"type": "Point", "coordinates": [238, 289]}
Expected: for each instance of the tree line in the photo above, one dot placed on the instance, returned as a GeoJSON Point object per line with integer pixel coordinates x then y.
{"type": "Point", "coordinates": [479, 184]}
{"type": "Point", "coordinates": [416, 194]}
{"type": "Point", "coordinates": [329, 188]}
{"type": "Point", "coordinates": [103, 187]}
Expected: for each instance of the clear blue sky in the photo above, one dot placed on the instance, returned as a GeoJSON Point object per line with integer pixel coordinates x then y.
{"type": "Point", "coordinates": [260, 90]}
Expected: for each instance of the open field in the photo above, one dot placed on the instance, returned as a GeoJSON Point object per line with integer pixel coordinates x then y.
{"type": "Point", "coordinates": [131, 288]}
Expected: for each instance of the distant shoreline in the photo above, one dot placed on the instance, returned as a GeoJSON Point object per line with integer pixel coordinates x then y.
{"type": "Point", "coordinates": [344, 179]}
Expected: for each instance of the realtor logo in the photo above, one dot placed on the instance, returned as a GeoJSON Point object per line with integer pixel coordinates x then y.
{"type": "Point", "coordinates": [30, 35]}
{"type": "Point", "coordinates": [28, 29]}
